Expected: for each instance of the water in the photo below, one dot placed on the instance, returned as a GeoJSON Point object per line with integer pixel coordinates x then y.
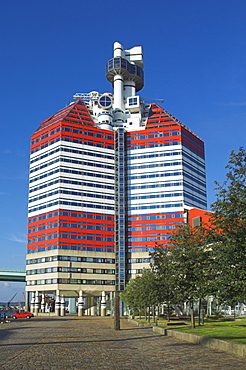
{"type": "Point", "coordinates": [14, 307]}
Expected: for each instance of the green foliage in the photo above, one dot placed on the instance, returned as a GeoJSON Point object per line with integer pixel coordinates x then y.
{"type": "Point", "coordinates": [192, 262]}
{"type": "Point", "coordinates": [131, 294]}
{"type": "Point", "coordinates": [162, 266]}
{"type": "Point", "coordinates": [202, 261]}
{"type": "Point", "coordinates": [229, 227]}
{"type": "Point", "coordinates": [141, 292]}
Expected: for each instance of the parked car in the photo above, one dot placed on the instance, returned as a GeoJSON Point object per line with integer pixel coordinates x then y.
{"type": "Point", "coordinates": [21, 315]}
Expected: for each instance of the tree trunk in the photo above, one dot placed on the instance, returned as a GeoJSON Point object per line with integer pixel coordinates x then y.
{"type": "Point", "coordinates": [199, 312]}
{"type": "Point", "coordinates": [192, 316]}
{"type": "Point", "coordinates": [168, 313]}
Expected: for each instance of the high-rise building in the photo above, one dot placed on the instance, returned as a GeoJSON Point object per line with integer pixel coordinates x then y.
{"type": "Point", "coordinates": [111, 175]}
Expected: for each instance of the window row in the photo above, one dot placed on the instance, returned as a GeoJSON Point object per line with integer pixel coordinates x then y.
{"type": "Point", "coordinates": [193, 160]}
{"type": "Point", "coordinates": [74, 172]}
{"type": "Point", "coordinates": [136, 271]}
{"type": "Point", "coordinates": [161, 134]}
{"type": "Point", "coordinates": [69, 225]}
{"type": "Point", "coordinates": [139, 260]}
{"type": "Point", "coordinates": [153, 145]}
{"type": "Point", "coordinates": [141, 248]}
{"type": "Point", "coordinates": [72, 236]}
{"type": "Point", "coordinates": [76, 193]}
{"type": "Point", "coordinates": [152, 175]}
{"type": "Point", "coordinates": [190, 200]}
{"type": "Point", "coordinates": [157, 238]}
{"type": "Point", "coordinates": [169, 205]}
{"type": "Point", "coordinates": [71, 259]}
{"type": "Point", "coordinates": [74, 151]}
{"type": "Point", "coordinates": [156, 217]}
{"type": "Point", "coordinates": [193, 139]}
{"type": "Point", "coordinates": [72, 182]}
{"type": "Point", "coordinates": [155, 185]}
{"type": "Point", "coordinates": [71, 204]}
{"type": "Point", "coordinates": [161, 227]}
{"type": "Point", "coordinates": [193, 169]}
{"type": "Point", "coordinates": [70, 281]}
{"type": "Point", "coordinates": [154, 155]}
{"type": "Point", "coordinates": [150, 196]}
{"type": "Point", "coordinates": [70, 270]}
{"type": "Point", "coordinates": [50, 133]}
{"type": "Point", "coordinates": [194, 179]}
{"type": "Point", "coordinates": [71, 246]}
{"type": "Point", "coordinates": [154, 165]}
{"type": "Point", "coordinates": [75, 131]}
{"type": "Point", "coordinates": [81, 141]}
{"type": "Point", "coordinates": [195, 190]}
{"type": "Point", "coordinates": [74, 161]}
{"type": "Point", "coordinates": [89, 133]}
{"type": "Point", "coordinates": [71, 214]}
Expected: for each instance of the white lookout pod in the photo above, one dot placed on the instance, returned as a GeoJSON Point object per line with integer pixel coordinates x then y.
{"type": "Point", "coordinates": [105, 121]}
{"type": "Point", "coordinates": [118, 50]}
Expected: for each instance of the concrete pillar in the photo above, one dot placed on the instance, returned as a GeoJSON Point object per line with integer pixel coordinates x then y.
{"type": "Point", "coordinates": [57, 304]}
{"type": "Point", "coordinates": [72, 305]}
{"type": "Point", "coordinates": [92, 307]}
{"type": "Point", "coordinates": [36, 304]}
{"type": "Point", "coordinates": [86, 306]}
{"type": "Point", "coordinates": [80, 303]}
{"type": "Point", "coordinates": [62, 306]}
{"type": "Point", "coordinates": [43, 303]}
{"type": "Point", "coordinates": [32, 302]}
{"type": "Point", "coordinates": [103, 304]}
{"type": "Point", "coordinates": [27, 302]}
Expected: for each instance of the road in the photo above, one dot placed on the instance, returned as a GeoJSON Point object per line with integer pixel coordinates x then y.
{"type": "Point", "coordinates": [91, 343]}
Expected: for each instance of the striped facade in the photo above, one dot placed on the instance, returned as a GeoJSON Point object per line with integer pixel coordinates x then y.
{"type": "Point", "coordinates": [105, 185]}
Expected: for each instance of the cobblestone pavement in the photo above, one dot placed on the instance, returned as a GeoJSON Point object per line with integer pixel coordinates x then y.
{"type": "Point", "coordinates": [92, 343]}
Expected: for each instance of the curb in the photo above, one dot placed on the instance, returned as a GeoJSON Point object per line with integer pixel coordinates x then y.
{"type": "Point", "coordinates": [141, 324]}
{"type": "Point", "coordinates": [222, 345]}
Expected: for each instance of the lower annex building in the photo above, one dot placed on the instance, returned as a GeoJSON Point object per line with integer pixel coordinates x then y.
{"type": "Point", "coordinates": [110, 175]}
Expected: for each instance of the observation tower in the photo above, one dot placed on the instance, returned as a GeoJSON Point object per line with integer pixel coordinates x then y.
{"type": "Point", "coordinates": [111, 175]}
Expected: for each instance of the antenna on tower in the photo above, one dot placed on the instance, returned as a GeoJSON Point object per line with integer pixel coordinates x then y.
{"type": "Point", "coordinates": [146, 100]}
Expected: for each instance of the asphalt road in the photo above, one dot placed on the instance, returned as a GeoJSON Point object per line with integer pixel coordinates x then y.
{"type": "Point", "coordinates": [92, 343]}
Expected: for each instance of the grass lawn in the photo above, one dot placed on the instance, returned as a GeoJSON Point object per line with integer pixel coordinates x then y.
{"type": "Point", "coordinates": [225, 330]}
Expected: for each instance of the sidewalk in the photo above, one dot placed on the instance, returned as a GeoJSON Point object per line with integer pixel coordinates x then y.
{"type": "Point", "coordinates": [91, 343]}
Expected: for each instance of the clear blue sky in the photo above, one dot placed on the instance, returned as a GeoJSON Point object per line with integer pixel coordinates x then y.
{"type": "Point", "coordinates": [194, 54]}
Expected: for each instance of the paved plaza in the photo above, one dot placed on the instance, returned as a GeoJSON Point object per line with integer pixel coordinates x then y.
{"type": "Point", "coordinates": [92, 343]}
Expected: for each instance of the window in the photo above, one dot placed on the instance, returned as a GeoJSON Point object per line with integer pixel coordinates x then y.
{"type": "Point", "coordinates": [133, 101]}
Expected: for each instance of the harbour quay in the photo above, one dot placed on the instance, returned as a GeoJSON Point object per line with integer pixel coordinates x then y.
{"type": "Point", "coordinates": [90, 342]}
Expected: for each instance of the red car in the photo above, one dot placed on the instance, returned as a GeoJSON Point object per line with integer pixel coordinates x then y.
{"type": "Point", "coordinates": [21, 315]}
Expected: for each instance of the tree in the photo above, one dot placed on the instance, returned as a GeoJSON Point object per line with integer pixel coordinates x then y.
{"type": "Point", "coordinates": [131, 294]}
{"type": "Point", "coordinates": [192, 264]}
{"type": "Point", "coordinates": [162, 266]}
{"type": "Point", "coordinates": [229, 226]}
{"type": "Point", "coordinates": [141, 291]}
